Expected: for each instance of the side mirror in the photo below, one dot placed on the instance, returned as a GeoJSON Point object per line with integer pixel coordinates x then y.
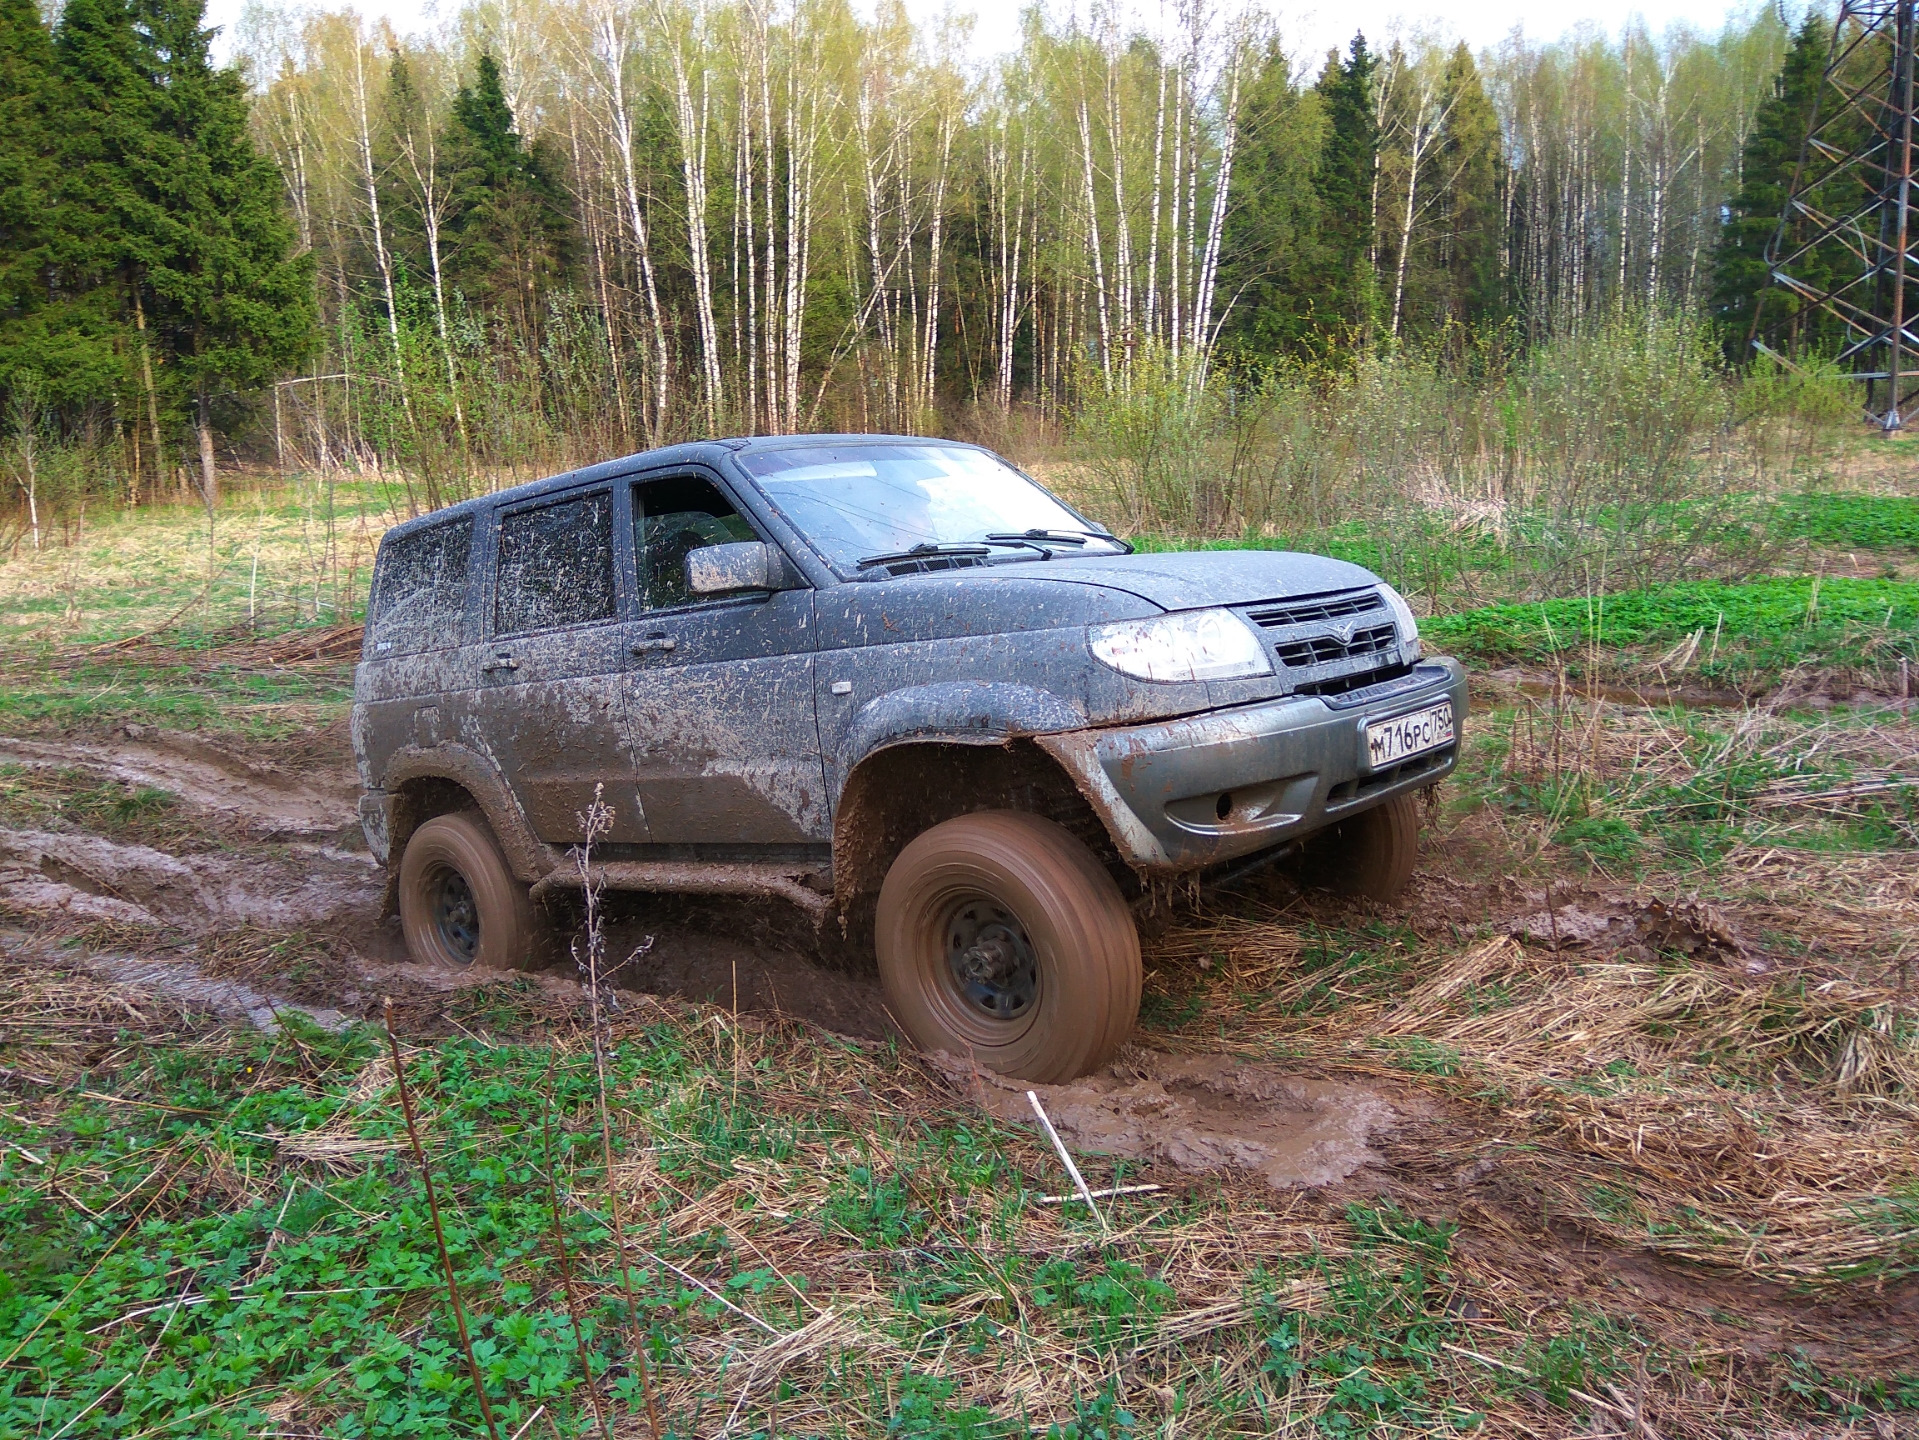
{"type": "Point", "coordinates": [744, 565]}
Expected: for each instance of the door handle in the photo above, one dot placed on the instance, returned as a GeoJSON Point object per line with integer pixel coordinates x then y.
{"type": "Point", "coordinates": [501, 661]}
{"type": "Point", "coordinates": [661, 643]}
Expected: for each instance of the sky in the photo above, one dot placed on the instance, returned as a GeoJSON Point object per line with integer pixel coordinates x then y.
{"type": "Point", "coordinates": [1310, 27]}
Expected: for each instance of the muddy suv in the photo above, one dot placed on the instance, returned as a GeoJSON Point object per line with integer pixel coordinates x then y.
{"type": "Point", "coordinates": [897, 683]}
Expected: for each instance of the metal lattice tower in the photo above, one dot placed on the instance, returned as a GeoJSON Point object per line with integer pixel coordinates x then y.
{"type": "Point", "coordinates": [1843, 247]}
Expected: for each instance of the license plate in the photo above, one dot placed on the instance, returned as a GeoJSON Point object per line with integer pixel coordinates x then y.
{"type": "Point", "coordinates": [1414, 734]}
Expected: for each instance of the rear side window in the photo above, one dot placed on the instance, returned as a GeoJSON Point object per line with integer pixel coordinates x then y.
{"type": "Point", "coordinates": [556, 565]}
{"type": "Point", "coordinates": [420, 594]}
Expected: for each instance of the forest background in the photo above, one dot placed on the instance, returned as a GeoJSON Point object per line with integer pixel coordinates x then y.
{"type": "Point", "coordinates": [1243, 292]}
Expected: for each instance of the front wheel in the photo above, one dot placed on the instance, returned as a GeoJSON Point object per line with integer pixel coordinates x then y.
{"type": "Point", "coordinates": [1002, 938]}
{"type": "Point", "coordinates": [459, 904]}
{"type": "Point", "coordinates": [1371, 853]}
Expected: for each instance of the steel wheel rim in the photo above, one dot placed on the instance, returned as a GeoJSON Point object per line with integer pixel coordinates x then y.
{"type": "Point", "coordinates": [456, 915]}
{"type": "Point", "coordinates": [986, 969]}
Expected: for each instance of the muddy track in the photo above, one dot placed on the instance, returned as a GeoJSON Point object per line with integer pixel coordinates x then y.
{"type": "Point", "coordinates": [261, 799]}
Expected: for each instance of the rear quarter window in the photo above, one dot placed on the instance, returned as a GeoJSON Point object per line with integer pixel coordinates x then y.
{"type": "Point", "coordinates": [419, 590]}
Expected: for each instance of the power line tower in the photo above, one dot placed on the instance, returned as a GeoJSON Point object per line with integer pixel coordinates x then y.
{"type": "Point", "coordinates": [1841, 261]}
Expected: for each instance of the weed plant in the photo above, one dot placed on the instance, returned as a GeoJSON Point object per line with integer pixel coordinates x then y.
{"type": "Point", "coordinates": [217, 1232]}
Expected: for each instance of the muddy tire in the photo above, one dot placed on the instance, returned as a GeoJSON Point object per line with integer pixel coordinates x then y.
{"type": "Point", "coordinates": [1371, 854]}
{"type": "Point", "coordinates": [460, 906]}
{"type": "Point", "coordinates": [1001, 938]}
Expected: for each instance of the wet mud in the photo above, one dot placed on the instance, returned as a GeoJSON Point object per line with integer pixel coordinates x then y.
{"type": "Point", "coordinates": [289, 860]}
{"type": "Point", "coordinates": [1201, 1114]}
{"type": "Point", "coordinates": [262, 799]}
{"type": "Point", "coordinates": [88, 877]}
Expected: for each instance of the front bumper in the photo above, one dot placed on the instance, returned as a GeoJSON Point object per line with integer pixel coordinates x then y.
{"type": "Point", "coordinates": [1181, 795]}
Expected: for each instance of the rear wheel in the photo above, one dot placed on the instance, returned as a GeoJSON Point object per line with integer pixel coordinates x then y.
{"type": "Point", "coordinates": [459, 904]}
{"type": "Point", "coordinates": [1371, 853]}
{"type": "Point", "coordinates": [1002, 938]}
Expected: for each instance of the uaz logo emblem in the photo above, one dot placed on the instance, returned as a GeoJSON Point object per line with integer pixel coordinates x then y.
{"type": "Point", "coordinates": [1344, 632]}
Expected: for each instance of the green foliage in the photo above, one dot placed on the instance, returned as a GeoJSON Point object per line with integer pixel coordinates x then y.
{"type": "Point", "coordinates": [1270, 239]}
{"type": "Point", "coordinates": [159, 244]}
{"type": "Point", "coordinates": [1375, 1339]}
{"type": "Point", "coordinates": [1342, 289]}
{"type": "Point", "coordinates": [1473, 172]}
{"type": "Point", "coordinates": [1772, 152]}
{"type": "Point", "coordinates": [1861, 522]}
{"type": "Point", "coordinates": [1749, 633]}
{"type": "Point", "coordinates": [48, 260]}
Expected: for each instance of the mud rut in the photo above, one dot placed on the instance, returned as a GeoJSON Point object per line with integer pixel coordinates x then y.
{"type": "Point", "coordinates": [289, 858]}
{"type": "Point", "coordinates": [275, 848]}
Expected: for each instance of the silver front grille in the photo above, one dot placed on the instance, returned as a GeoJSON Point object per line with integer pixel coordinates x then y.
{"type": "Point", "coordinates": [1274, 615]}
{"type": "Point", "coordinates": [1333, 642]}
{"type": "Point", "coordinates": [1326, 649]}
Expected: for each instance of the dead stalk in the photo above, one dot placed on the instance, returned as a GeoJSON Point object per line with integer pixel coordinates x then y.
{"type": "Point", "coordinates": [433, 1209]}
{"type": "Point", "coordinates": [597, 820]}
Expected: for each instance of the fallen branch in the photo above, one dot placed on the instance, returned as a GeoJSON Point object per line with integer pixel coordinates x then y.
{"type": "Point", "coordinates": [1101, 1194]}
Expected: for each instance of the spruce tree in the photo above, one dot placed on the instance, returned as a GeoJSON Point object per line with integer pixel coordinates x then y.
{"type": "Point", "coordinates": [509, 226]}
{"type": "Point", "coordinates": [1771, 155]}
{"type": "Point", "coordinates": [1473, 171]}
{"type": "Point", "coordinates": [194, 216]}
{"type": "Point", "coordinates": [51, 326]}
{"type": "Point", "coordinates": [1345, 292]}
{"type": "Point", "coordinates": [1271, 230]}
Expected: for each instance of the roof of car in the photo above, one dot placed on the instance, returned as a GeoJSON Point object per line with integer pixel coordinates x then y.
{"type": "Point", "coordinates": [692, 451]}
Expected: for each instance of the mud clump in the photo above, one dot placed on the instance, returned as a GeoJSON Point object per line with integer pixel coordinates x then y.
{"type": "Point", "coordinates": [1637, 927]}
{"type": "Point", "coordinates": [1202, 1114]}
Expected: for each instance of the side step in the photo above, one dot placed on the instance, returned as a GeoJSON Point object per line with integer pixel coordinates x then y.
{"type": "Point", "coordinates": [779, 882]}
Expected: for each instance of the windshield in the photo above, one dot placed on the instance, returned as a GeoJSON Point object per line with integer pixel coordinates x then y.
{"type": "Point", "coordinates": [859, 503]}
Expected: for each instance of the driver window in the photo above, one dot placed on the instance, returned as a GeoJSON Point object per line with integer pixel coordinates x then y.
{"type": "Point", "coordinates": [672, 517]}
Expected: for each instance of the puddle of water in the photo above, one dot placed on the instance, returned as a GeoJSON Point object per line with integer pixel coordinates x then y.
{"type": "Point", "coordinates": [1200, 1113]}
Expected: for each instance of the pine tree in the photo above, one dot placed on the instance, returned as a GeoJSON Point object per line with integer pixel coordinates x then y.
{"type": "Point", "coordinates": [1345, 292]}
{"type": "Point", "coordinates": [510, 230]}
{"type": "Point", "coordinates": [1272, 214]}
{"type": "Point", "coordinates": [1473, 171]}
{"type": "Point", "coordinates": [1740, 273]}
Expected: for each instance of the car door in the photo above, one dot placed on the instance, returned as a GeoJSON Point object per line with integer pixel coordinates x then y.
{"type": "Point", "coordinates": [720, 701]}
{"type": "Point", "coordinates": [551, 703]}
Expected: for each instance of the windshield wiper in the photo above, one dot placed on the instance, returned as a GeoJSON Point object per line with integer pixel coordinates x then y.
{"type": "Point", "coordinates": [921, 551]}
{"type": "Point", "coordinates": [1062, 537]}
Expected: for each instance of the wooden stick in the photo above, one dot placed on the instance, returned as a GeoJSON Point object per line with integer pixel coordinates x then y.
{"type": "Point", "coordinates": [1103, 1194]}
{"type": "Point", "coordinates": [1079, 1181]}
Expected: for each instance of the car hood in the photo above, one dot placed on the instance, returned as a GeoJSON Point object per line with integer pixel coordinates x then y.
{"type": "Point", "coordinates": [1194, 579]}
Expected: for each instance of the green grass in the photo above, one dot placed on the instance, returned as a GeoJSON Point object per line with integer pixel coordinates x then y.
{"type": "Point", "coordinates": [216, 698]}
{"type": "Point", "coordinates": [777, 1166]}
{"type": "Point", "coordinates": [1747, 633]}
{"type": "Point", "coordinates": [1698, 783]}
{"type": "Point", "coordinates": [269, 560]}
{"type": "Point", "coordinates": [1854, 522]}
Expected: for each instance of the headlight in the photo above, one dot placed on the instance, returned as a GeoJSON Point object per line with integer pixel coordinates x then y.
{"type": "Point", "coordinates": [1192, 645]}
{"type": "Point", "coordinates": [1403, 615]}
